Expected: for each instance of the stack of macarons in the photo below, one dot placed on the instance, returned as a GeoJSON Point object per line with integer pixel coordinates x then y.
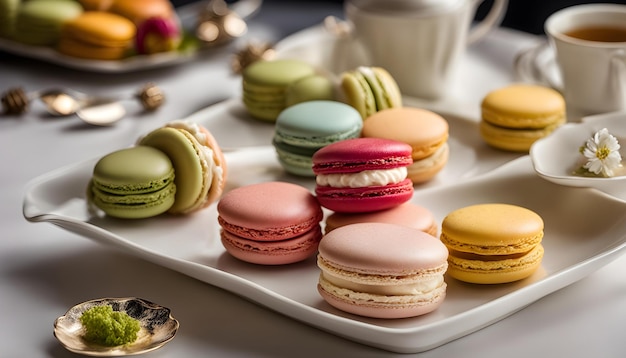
{"type": "Point", "coordinates": [178, 168]}
{"type": "Point", "coordinates": [515, 116]}
{"type": "Point", "coordinates": [363, 175]}
{"type": "Point", "coordinates": [425, 131]}
{"type": "Point", "coordinates": [264, 84]}
{"type": "Point", "coordinates": [39, 22]}
{"type": "Point", "coordinates": [493, 243]}
{"type": "Point", "coordinates": [304, 128]}
{"type": "Point", "coordinates": [370, 89]}
{"type": "Point", "coordinates": [270, 223]}
{"type": "Point", "coordinates": [382, 270]}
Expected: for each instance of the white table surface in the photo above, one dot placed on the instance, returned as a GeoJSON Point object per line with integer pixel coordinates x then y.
{"type": "Point", "coordinates": [44, 270]}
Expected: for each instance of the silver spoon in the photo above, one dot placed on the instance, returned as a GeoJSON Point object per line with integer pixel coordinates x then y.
{"type": "Point", "coordinates": [101, 111]}
{"type": "Point", "coordinates": [61, 102]}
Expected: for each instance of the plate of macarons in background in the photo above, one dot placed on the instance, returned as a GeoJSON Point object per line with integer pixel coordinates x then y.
{"type": "Point", "coordinates": [104, 36]}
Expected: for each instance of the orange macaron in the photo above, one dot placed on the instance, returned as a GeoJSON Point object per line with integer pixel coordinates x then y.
{"type": "Point", "coordinates": [140, 10]}
{"type": "Point", "coordinates": [97, 35]}
{"type": "Point", "coordinates": [425, 131]}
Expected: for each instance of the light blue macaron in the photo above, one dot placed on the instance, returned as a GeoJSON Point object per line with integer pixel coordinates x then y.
{"type": "Point", "coordinates": [302, 129]}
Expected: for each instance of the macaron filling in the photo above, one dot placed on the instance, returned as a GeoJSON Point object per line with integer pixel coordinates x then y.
{"type": "Point", "coordinates": [496, 264]}
{"type": "Point", "coordinates": [380, 300]}
{"type": "Point", "coordinates": [440, 155]}
{"type": "Point", "coordinates": [140, 199]}
{"type": "Point", "coordinates": [270, 234]}
{"type": "Point", "coordinates": [316, 141]}
{"type": "Point", "coordinates": [381, 285]}
{"type": "Point", "coordinates": [362, 179]}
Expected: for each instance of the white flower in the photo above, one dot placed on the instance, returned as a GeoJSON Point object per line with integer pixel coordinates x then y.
{"type": "Point", "coordinates": [602, 153]}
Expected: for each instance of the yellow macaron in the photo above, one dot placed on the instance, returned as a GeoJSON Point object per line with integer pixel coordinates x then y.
{"type": "Point", "coordinates": [97, 35]}
{"type": "Point", "coordinates": [493, 243]}
{"type": "Point", "coordinates": [515, 116]}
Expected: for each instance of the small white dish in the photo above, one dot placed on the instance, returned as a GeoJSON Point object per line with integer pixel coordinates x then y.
{"type": "Point", "coordinates": [557, 156]}
{"type": "Point", "coordinates": [157, 327]}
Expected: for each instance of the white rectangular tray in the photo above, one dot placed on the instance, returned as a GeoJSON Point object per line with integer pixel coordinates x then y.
{"type": "Point", "coordinates": [584, 230]}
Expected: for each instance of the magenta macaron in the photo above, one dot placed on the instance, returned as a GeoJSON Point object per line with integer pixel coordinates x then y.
{"type": "Point", "coordinates": [363, 174]}
{"type": "Point", "coordinates": [271, 223]}
{"type": "Point", "coordinates": [382, 270]}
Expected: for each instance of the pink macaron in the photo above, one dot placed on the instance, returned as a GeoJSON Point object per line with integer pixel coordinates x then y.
{"type": "Point", "coordinates": [382, 270]}
{"type": "Point", "coordinates": [363, 174]}
{"type": "Point", "coordinates": [271, 223]}
{"type": "Point", "coordinates": [407, 214]}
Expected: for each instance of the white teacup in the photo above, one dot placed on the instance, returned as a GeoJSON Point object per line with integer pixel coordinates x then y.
{"type": "Point", "coordinates": [420, 42]}
{"type": "Point", "coordinates": [592, 69]}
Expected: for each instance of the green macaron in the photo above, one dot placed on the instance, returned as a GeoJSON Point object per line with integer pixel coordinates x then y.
{"type": "Point", "coordinates": [310, 88]}
{"type": "Point", "coordinates": [133, 183]}
{"type": "Point", "coordinates": [193, 177]}
{"type": "Point", "coordinates": [370, 89]}
{"type": "Point", "coordinates": [304, 128]}
{"type": "Point", "coordinates": [264, 85]}
{"type": "Point", "coordinates": [8, 14]}
{"type": "Point", "coordinates": [39, 22]}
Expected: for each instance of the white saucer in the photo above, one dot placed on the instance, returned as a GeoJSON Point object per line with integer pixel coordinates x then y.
{"type": "Point", "coordinates": [538, 65]}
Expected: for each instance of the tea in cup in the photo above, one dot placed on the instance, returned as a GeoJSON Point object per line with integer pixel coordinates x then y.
{"type": "Point", "coordinates": [420, 42]}
{"type": "Point", "coordinates": [589, 42]}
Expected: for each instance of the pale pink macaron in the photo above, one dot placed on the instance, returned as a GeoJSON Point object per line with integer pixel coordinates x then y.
{"type": "Point", "coordinates": [407, 214]}
{"type": "Point", "coordinates": [425, 131]}
{"type": "Point", "coordinates": [271, 223]}
{"type": "Point", "coordinates": [382, 270]}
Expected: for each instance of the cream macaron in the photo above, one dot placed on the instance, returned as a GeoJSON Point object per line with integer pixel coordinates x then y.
{"type": "Point", "coordinates": [382, 270]}
{"type": "Point", "coordinates": [425, 131]}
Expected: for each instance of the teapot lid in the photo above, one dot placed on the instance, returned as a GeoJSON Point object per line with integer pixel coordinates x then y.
{"type": "Point", "coordinates": [415, 6]}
